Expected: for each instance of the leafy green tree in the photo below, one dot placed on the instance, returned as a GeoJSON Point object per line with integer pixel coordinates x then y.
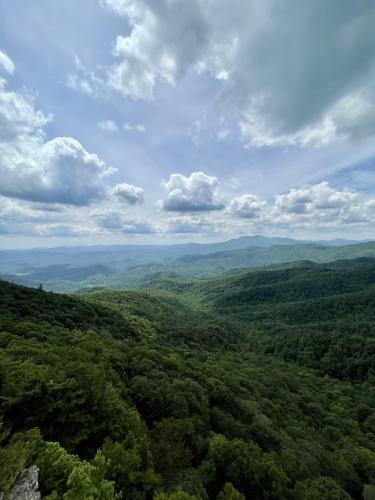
{"type": "Point", "coordinates": [322, 488]}
{"type": "Point", "coordinates": [229, 492]}
{"type": "Point", "coordinates": [86, 482]}
{"type": "Point", "coordinates": [63, 475]}
{"type": "Point", "coordinates": [369, 492]}
{"type": "Point", "coordinates": [175, 495]}
{"type": "Point", "coordinates": [245, 466]}
{"type": "Point", "coordinates": [16, 455]}
{"type": "Point", "coordinates": [130, 465]}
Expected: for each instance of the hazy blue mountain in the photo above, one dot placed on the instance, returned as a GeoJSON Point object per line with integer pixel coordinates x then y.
{"type": "Point", "coordinates": [134, 254]}
{"type": "Point", "coordinates": [70, 268]}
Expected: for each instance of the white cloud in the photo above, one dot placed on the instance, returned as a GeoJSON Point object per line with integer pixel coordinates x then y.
{"type": "Point", "coordinates": [134, 127]}
{"type": "Point", "coordinates": [56, 171]}
{"type": "Point", "coordinates": [47, 185]}
{"type": "Point", "coordinates": [131, 195]}
{"type": "Point", "coordinates": [195, 132]}
{"type": "Point", "coordinates": [32, 168]}
{"type": "Point", "coordinates": [65, 230]}
{"type": "Point", "coordinates": [165, 40]}
{"type": "Point", "coordinates": [321, 196]}
{"type": "Point", "coordinates": [6, 63]}
{"type": "Point", "coordinates": [297, 74]}
{"type": "Point", "coordinates": [195, 193]}
{"type": "Point", "coordinates": [312, 207]}
{"type": "Point", "coordinates": [322, 205]}
{"type": "Point", "coordinates": [256, 130]}
{"type": "Point", "coordinates": [123, 8]}
{"type": "Point", "coordinates": [83, 80]}
{"type": "Point", "coordinates": [21, 217]}
{"type": "Point", "coordinates": [108, 126]}
{"type": "Point", "coordinates": [223, 134]}
{"type": "Point", "coordinates": [111, 126]}
{"type": "Point", "coordinates": [246, 206]}
{"type": "Point", "coordinates": [18, 116]}
{"type": "Point", "coordinates": [351, 117]}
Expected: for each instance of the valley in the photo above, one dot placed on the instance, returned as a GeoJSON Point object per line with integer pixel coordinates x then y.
{"type": "Point", "coordinates": [254, 383]}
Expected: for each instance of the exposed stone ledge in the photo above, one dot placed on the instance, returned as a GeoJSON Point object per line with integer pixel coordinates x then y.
{"type": "Point", "coordinates": [25, 487]}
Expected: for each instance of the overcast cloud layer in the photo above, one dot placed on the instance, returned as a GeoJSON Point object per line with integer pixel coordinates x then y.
{"type": "Point", "coordinates": [171, 120]}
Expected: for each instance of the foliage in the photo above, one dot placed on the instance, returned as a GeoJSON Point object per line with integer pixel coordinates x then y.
{"type": "Point", "coordinates": [16, 455]}
{"type": "Point", "coordinates": [149, 394]}
{"type": "Point", "coordinates": [66, 476]}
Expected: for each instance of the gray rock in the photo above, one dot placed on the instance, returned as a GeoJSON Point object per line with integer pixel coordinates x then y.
{"type": "Point", "coordinates": [26, 486]}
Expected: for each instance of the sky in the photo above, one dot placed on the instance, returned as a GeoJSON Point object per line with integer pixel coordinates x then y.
{"type": "Point", "coordinates": [169, 121]}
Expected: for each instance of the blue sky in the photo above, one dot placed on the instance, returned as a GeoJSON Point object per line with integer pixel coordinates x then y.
{"type": "Point", "coordinates": [174, 120]}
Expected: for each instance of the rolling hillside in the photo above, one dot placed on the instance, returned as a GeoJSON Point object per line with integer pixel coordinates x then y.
{"type": "Point", "coordinates": [319, 315]}
{"type": "Point", "coordinates": [165, 395]}
{"type": "Point", "coordinates": [125, 267]}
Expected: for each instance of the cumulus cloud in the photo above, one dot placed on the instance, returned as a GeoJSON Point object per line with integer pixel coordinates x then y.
{"type": "Point", "coordinates": [59, 170]}
{"type": "Point", "coordinates": [310, 206]}
{"type": "Point", "coordinates": [317, 196]}
{"type": "Point", "coordinates": [320, 204]}
{"type": "Point", "coordinates": [131, 195]}
{"type": "Point", "coordinates": [286, 87]}
{"type": "Point", "coordinates": [195, 193]}
{"type": "Point", "coordinates": [18, 116]}
{"type": "Point", "coordinates": [46, 184]}
{"type": "Point", "coordinates": [247, 206]}
{"type": "Point", "coordinates": [56, 171]}
{"type": "Point", "coordinates": [6, 63]}
{"type": "Point", "coordinates": [166, 38]}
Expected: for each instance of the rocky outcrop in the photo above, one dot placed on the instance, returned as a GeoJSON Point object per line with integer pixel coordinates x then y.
{"type": "Point", "coordinates": [25, 487]}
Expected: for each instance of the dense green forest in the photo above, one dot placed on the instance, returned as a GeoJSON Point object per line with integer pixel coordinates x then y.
{"type": "Point", "coordinates": [258, 385]}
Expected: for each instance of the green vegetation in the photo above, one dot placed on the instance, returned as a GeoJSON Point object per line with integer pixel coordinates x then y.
{"type": "Point", "coordinates": [258, 385]}
{"type": "Point", "coordinates": [129, 267]}
{"type": "Point", "coordinates": [319, 317]}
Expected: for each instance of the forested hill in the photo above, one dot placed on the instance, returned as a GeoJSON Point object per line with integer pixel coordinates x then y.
{"type": "Point", "coordinates": [150, 395]}
{"type": "Point", "coordinates": [321, 316]}
{"type": "Point", "coordinates": [125, 267]}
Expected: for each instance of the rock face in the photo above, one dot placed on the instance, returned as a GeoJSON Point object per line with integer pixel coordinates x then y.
{"type": "Point", "coordinates": [26, 485]}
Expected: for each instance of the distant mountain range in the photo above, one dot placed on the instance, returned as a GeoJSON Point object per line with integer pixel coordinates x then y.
{"type": "Point", "coordinates": [68, 269]}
